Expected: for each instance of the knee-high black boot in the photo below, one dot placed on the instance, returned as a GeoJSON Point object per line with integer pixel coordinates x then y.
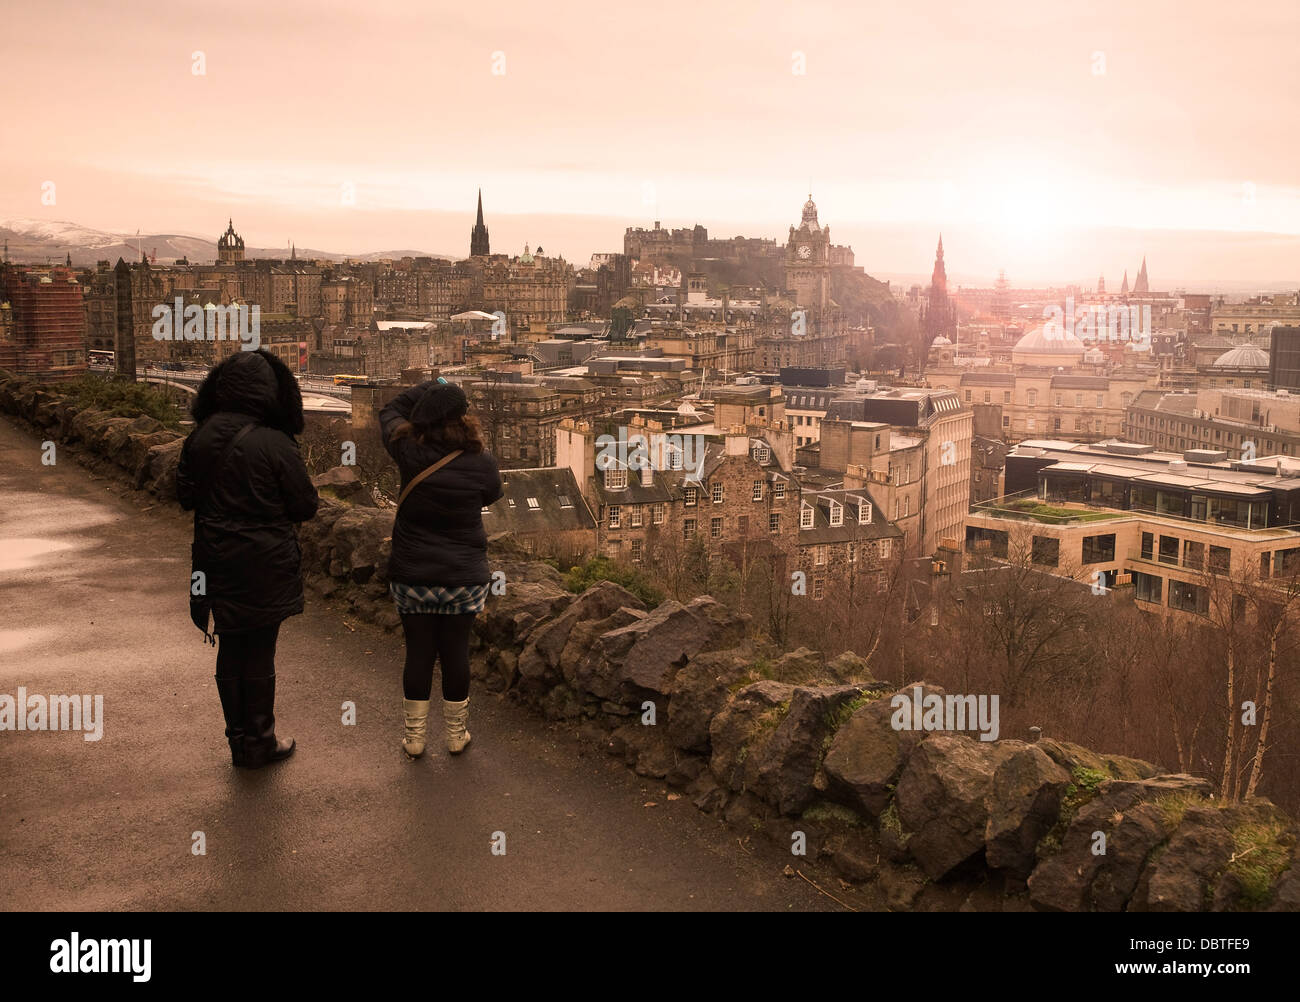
{"type": "Point", "coordinates": [231, 691]}
{"type": "Point", "coordinates": [260, 743]}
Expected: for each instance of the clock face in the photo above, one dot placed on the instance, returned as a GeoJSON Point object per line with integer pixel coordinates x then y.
{"type": "Point", "coordinates": [805, 251]}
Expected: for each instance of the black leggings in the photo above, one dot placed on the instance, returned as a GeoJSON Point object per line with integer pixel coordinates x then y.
{"type": "Point", "coordinates": [430, 637]}
{"type": "Point", "coordinates": [248, 653]}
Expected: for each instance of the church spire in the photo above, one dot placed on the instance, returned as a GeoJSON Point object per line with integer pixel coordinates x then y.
{"type": "Point", "coordinates": [939, 278]}
{"type": "Point", "coordinates": [478, 238]}
{"type": "Point", "coordinates": [1141, 285]}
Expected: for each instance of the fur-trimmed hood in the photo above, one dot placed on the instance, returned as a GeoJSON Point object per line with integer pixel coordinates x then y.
{"type": "Point", "coordinates": [255, 383]}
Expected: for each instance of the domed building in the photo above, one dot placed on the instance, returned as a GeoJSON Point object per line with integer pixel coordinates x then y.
{"type": "Point", "coordinates": [941, 351]}
{"type": "Point", "coordinates": [1245, 356]}
{"type": "Point", "coordinates": [1244, 365]}
{"type": "Point", "coordinates": [1052, 347]}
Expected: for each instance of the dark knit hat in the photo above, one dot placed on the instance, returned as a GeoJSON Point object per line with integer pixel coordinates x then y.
{"type": "Point", "coordinates": [441, 403]}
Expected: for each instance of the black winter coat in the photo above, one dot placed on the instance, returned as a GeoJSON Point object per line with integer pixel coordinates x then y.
{"type": "Point", "coordinates": [438, 537]}
{"type": "Point", "coordinates": [245, 542]}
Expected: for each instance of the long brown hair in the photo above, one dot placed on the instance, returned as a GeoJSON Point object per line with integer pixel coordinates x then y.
{"type": "Point", "coordinates": [461, 433]}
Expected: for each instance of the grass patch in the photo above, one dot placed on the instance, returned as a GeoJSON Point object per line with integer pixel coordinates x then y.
{"type": "Point", "coordinates": [890, 822]}
{"type": "Point", "coordinates": [1174, 807]}
{"type": "Point", "coordinates": [1078, 793]}
{"type": "Point", "coordinates": [762, 670]}
{"type": "Point", "coordinates": [1261, 848]}
{"type": "Point", "coordinates": [1032, 508]}
{"type": "Point", "coordinates": [824, 812]}
{"type": "Point", "coordinates": [1259, 858]}
{"type": "Point", "coordinates": [601, 568]}
{"type": "Point", "coordinates": [838, 717]}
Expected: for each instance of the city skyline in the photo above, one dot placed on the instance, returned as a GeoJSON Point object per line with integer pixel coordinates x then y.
{"type": "Point", "coordinates": [1052, 145]}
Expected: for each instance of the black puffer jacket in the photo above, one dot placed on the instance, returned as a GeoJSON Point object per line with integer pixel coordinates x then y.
{"type": "Point", "coordinates": [244, 513]}
{"type": "Point", "coordinates": [438, 538]}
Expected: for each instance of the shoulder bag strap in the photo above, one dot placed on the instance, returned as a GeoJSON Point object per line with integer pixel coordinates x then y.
{"type": "Point", "coordinates": [427, 472]}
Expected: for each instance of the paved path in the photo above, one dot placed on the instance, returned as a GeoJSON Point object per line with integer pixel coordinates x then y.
{"type": "Point", "coordinates": [93, 600]}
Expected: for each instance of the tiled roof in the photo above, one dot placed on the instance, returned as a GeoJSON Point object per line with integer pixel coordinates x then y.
{"type": "Point", "coordinates": [538, 500]}
{"type": "Point", "coordinates": [823, 532]}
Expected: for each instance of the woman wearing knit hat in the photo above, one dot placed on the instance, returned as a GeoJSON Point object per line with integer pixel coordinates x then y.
{"type": "Point", "coordinates": [438, 572]}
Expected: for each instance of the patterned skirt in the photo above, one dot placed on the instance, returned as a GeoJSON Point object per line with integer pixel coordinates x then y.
{"type": "Point", "coordinates": [414, 599]}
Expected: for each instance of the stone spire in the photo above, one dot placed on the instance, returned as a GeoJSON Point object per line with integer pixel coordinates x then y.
{"type": "Point", "coordinates": [1123, 289]}
{"type": "Point", "coordinates": [478, 238]}
{"type": "Point", "coordinates": [1141, 285]}
{"type": "Point", "coordinates": [939, 316]}
{"type": "Point", "coordinates": [939, 278]}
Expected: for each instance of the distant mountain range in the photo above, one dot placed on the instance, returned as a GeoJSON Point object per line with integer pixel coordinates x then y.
{"type": "Point", "coordinates": [40, 241]}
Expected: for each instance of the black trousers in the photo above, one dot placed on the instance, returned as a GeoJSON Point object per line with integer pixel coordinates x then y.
{"type": "Point", "coordinates": [248, 653]}
{"type": "Point", "coordinates": [246, 684]}
{"type": "Point", "coordinates": [432, 637]}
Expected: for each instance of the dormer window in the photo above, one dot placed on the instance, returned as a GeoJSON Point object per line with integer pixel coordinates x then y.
{"type": "Point", "coordinates": [864, 512]}
{"type": "Point", "coordinates": [615, 478]}
{"type": "Point", "coordinates": [806, 516]}
{"type": "Point", "coordinates": [674, 459]}
{"type": "Point", "coordinates": [837, 513]}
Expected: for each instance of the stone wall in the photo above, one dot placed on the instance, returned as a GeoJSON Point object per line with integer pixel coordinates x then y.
{"type": "Point", "coordinates": [140, 449]}
{"type": "Point", "coordinates": [793, 745]}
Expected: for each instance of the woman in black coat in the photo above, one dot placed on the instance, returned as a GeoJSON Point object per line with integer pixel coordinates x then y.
{"type": "Point", "coordinates": [438, 572]}
{"type": "Point", "coordinates": [241, 474]}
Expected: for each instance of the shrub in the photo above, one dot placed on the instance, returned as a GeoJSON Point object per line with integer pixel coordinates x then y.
{"type": "Point", "coordinates": [601, 568]}
{"type": "Point", "coordinates": [122, 398]}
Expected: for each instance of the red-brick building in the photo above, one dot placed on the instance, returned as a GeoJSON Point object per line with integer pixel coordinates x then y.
{"type": "Point", "coordinates": [46, 332]}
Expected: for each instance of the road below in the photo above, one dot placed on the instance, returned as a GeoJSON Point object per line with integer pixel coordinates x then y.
{"type": "Point", "coordinates": [93, 600]}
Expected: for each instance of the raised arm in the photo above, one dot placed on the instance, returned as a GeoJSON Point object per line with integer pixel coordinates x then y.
{"type": "Point", "coordinates": [398, 410]}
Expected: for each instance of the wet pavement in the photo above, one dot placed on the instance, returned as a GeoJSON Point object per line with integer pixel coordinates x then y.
{"type": "Point", "coordinates": [93, 601]}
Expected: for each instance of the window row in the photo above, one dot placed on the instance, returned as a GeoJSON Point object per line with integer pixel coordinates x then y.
{"type": "Point", "coordinates": [635, 514]}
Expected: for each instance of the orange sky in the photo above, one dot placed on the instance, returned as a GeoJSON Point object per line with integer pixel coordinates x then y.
{"type": "Point", "coordinates": [989, 121]}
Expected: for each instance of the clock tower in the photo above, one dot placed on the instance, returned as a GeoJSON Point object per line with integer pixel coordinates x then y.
{"type": "Point", "coordinates": [808, 261]}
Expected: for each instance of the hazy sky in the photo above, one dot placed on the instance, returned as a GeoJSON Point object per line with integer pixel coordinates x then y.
{"type": "Point", "coordinates": [1051, 139]}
